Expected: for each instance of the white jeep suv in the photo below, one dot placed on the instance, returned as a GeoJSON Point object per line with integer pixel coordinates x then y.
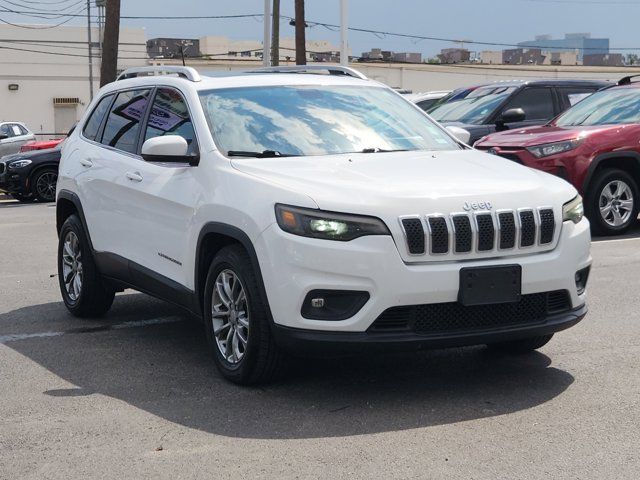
{"type": "Point", "coordinates": [311, 210]}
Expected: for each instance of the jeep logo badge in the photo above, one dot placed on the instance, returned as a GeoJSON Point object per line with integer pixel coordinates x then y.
{"type": "Point", "coordinates": [468, 206]}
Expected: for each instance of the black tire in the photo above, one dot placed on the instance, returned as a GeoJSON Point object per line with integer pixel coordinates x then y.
{"type": "Point", "coordinates": [599, 225]}
{"type": "Point", "coordinates": [22, 198]}
{"type": "Point", "coordinates": [94, 298]}
{"type": "Point", "coordinates": [43, 184]}
{"type": "Point", "coordinates": [524, 345]}
{"type": "Point", "coordinates": [262, 361]}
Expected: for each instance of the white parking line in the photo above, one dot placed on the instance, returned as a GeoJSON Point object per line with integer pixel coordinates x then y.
{"type": "Point", "coordinates": [13, 337]}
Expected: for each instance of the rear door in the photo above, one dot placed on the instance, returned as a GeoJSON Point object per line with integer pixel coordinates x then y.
{"type": "Point", "coordinates": [111, 151]}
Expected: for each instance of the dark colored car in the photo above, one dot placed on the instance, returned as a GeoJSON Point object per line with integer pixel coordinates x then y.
{"type": "Point", "coordinates": [30, 176]}
{"type": "Point", "coordinates": [595, 146]}
{"type": "Point", "coordinates": [513, 104]}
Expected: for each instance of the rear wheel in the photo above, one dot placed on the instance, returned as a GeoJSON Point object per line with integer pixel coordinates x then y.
{"type": "Point", "coordinates": [237, 321]}
{"type": "Point", "coordinates": [523, 345]}
{"type": "Point", "coordinates": [44, 185]}
{"type": "Point", "coordinates": [83, 291]}
{"type": "Point", "coordinates": [612, 202]}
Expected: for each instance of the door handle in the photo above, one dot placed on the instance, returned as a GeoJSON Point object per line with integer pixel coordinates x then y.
{"type": "Point", "coordinates": [86, 162]}
{"type": "Point", "coordinates": [134, 176]}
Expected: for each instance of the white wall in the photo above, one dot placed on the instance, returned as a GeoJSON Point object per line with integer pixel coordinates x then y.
{"type": "Point", "coordinates": [41, 77]}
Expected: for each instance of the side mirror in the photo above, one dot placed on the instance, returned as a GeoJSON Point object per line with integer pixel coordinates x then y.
{"type": "Point", "coordinates": [460, 133]}
{"type": "Point", "coordinates": [169, 148]}
{"type": "Point", "coordinates": [3, 136]}
{"type": "Point", "coordinates": [512, 115]}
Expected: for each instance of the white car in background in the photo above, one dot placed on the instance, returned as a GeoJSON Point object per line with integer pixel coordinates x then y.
{"type": "Point", "coordinates": [426, 99]}
{"type": "Point", "coordinates": [12, 136]}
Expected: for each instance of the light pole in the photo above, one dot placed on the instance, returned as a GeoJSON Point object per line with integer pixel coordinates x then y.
{"type": "Point", "coordinates": [90, 50]}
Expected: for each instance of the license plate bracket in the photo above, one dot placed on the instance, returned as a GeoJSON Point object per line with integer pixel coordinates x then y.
{"type": "Point", "coordinates": [490, 285]}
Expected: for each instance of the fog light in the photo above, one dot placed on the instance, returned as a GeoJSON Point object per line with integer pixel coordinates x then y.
{"type": "Point", "coordinates": [333, 304]}
{"type": "Point", "coordinates": [581, 280]}
{"type": "Point", "coordinates": [317, 302]}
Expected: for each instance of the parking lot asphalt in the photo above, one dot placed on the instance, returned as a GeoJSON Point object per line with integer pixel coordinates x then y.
{"type": "Point", "coordinates": [134, 394]}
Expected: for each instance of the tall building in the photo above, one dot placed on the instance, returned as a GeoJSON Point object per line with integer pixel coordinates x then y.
{"type": "Point", "coordinates": [582, 42]}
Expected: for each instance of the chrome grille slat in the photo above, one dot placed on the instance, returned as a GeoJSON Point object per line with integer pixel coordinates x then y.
{"type": "Point", "coordinates": [479, 232]}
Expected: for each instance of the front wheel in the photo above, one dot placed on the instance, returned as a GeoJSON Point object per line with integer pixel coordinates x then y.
{"type": "Point", "coordinates": [523, 345]}
{"type": "Point", "coordinates": [237, 321]}
{"type": "Point", "coordinates": [612, 202]}
{"type": "Point", "coordinates": [83, 291]}
{"type": "Point", "coordinates": [44, 185]}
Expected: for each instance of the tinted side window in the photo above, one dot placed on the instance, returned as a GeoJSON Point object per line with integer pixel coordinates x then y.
{"type": "Point", "coordinates": [123, 123]}
{"type": "Point", "coordinates": [537, 103]}
{"type": "Point", "coordinates": [573, 95]}
{"type": "Point", "coordinates": [170, 116]}
{"type": "Point", "coordinates": [23, 130]}
{"type": "Point", "coordinates": [95, 119]}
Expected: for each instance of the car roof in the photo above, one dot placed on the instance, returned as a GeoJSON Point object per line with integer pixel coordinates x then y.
{"type": "Point", "coordinates": [268, 77]}
{"type": "Point", "coordinates": [549, 82]}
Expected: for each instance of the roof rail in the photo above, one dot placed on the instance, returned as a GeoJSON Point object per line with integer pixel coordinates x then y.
{"type": "Point", "coordinates": [189, 73]}
{"type": "Point", "coordinates": [331, 69]}
{"type": "Point", "coordinates": [627, 80]}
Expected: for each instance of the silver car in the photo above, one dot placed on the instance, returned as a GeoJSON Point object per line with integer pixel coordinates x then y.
{"type": "Point", "coordinates": [12, 136]}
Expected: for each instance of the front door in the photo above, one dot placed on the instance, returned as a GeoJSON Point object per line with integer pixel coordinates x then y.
{"type": "Point", "coordinates": [161, 197]}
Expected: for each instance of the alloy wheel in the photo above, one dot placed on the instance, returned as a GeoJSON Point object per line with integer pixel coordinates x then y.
{"type": "Point", "coordinates": [46, 186]}
{"type": "Point", "coordinates": [616, 203]}
{"type": "Point", "coordinates": [72, 266]}
{"type": "Point", "coordinates": [230, 316]}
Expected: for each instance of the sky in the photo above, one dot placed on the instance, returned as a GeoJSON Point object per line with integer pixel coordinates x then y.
{"type": "Point", "coordinates": [503, 21]}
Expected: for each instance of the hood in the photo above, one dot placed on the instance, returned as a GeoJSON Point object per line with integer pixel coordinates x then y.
{"type": "Point", "coordinates": [404, 183]}
{"type": "Point", "coordinates": [528, 137]}
{"type": "Point", "coordinates": [48, 154]}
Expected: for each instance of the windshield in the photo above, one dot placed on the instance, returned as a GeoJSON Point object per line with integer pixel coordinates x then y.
{"type": "Point", "coordinates": [318, 120]}
{"type": "Point", "coordinates": [475, 108]}
{"type": "Point", "coordinates": [608, 107]}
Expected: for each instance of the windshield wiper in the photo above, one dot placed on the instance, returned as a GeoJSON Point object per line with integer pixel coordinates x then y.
{"type": "Point", "coordinates": [382, 150]}
{"type": "Point", "coordinates": [262, 154]}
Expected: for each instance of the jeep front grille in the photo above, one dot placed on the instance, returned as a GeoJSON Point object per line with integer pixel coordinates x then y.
{"type": "Point", "coordinates": [482, 232]}
{"type": "Point", "coordinates": [453, 317]}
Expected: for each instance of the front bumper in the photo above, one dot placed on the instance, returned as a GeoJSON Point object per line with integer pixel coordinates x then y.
{"type": "Point", "coordinates": [293, 266]}
{"type": "Point", "coordinates": [310, 342]}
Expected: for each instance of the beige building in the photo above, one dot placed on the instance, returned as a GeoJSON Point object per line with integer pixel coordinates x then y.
{"type": "Point", "coordinates": [44, 73]}
{"type": "Point", "coordinates": [224, 48]}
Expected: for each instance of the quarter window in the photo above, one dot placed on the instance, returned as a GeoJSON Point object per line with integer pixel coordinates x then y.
{"type": "Point", "coordinates": [123, 123]}
{"type": "Point", "coordinates": [537, 103]}
{"type": "Point", "coordinates": [92, 126]}
{"type": "Point", "coordinates": [170, 116]}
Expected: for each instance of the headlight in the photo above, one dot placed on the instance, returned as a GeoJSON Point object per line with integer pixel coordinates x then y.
{"type": "Point", "coordinates": [18, 164]}
{"type": "Point", "coordinates": [313, 223]}
{"type": "Point", "coordinates": [573, 210]}
{"type": "Point", "coordinates": [548, 149]}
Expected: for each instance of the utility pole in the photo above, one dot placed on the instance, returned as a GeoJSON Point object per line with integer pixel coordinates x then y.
{"type": "Point", "coordinates": [266, 47]}
{"type": "Point", "coordinates": [344, 29]}
{"type": "Point", "coordinates": [301, 50]}
{"type": "Point", "coordinates": [90, 50]}
{"type": "Point", "coordinates": [275, 34]}
{"type": "Point", "coordinates": [109, 66]}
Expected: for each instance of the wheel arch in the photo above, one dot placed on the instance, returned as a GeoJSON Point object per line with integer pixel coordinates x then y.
{"type": "Point", "coordinates": [212, 238]}
{"type": "Point", "coordinates": [67, 204]}
{"type": "Point", "coordinates": [628, 161]}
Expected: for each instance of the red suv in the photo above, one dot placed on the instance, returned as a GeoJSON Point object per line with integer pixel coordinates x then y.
{"type": "Point", "coordinates": [595, 145]}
